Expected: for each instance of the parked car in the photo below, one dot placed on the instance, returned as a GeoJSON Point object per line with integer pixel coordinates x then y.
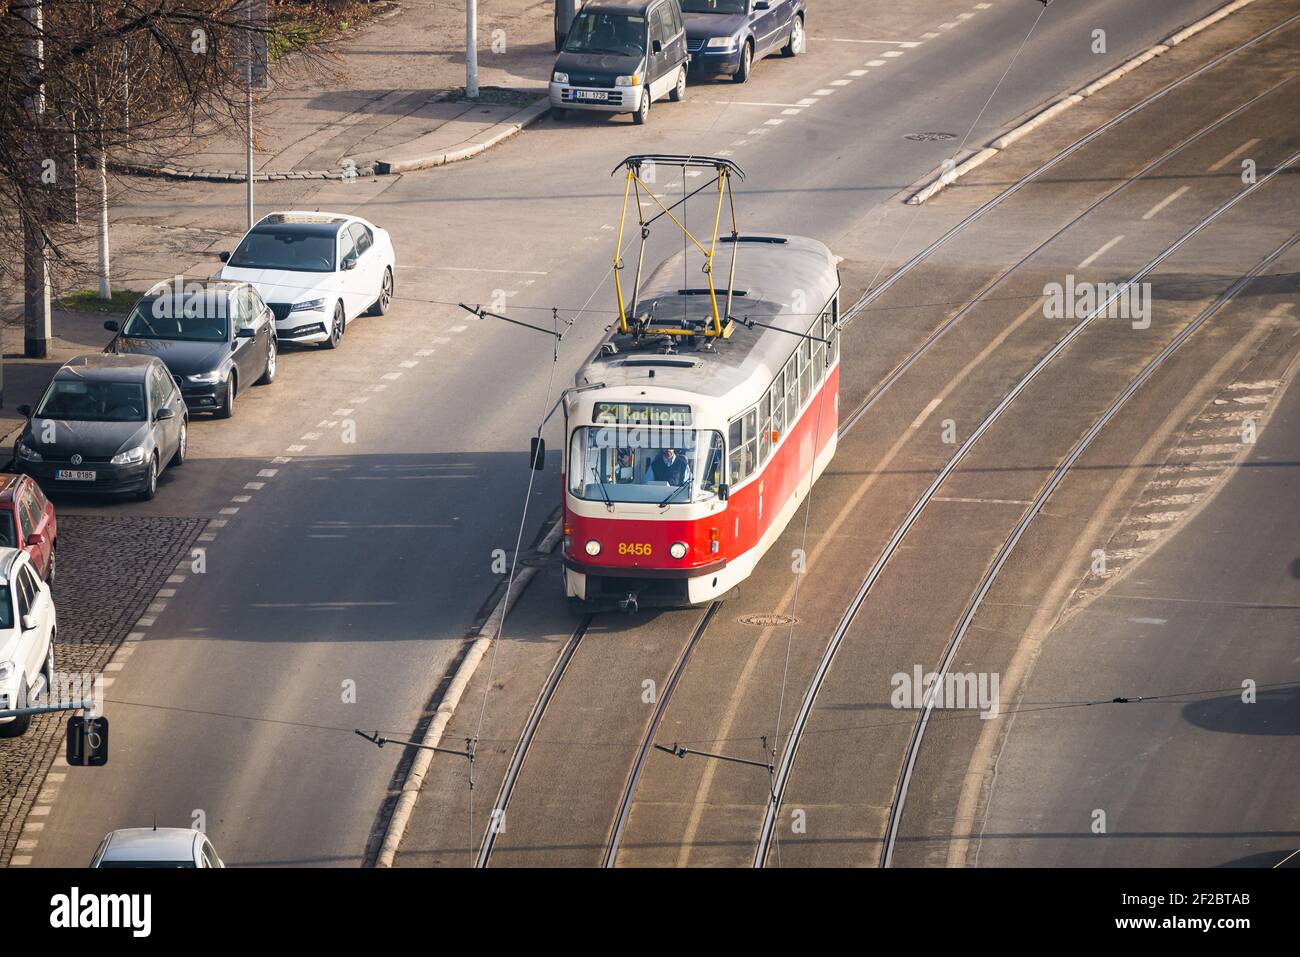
{"type": "Point", "coordinates": [727, 37]}
{"type": "Point", "coordinates": [317, 272]}
{"type": "Point", "coordinates": [181, 847]}
{"type": "Point", "coordinates": [216, 338]}
{"type": "Point", "coordinates": [27, 521]}
{"type": "Point", "coordinates": [106, 423]}
{"type": "Point", "coordinates": [27, 634]}
{"type": "Point", "coordinates": [619, 57]}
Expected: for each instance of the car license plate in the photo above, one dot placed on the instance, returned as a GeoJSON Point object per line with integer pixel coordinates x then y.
{"type": "Point", "coordinates": [74, 475]}
{"type": "Point", "coordinates": [592, 95]}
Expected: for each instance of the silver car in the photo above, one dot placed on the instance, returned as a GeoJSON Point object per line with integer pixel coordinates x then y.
{"type": "Point", "coordinates": [156, 847]}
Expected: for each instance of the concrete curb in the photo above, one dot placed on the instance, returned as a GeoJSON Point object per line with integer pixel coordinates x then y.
{"type": "Point", "coordinates": [942, 177]}
{"type": "Point", "coordinates": [460, 680]}
{"type": "Point", "coordinates": [502, 131]}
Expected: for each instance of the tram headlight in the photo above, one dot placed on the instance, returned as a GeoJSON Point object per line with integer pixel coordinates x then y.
{"type": "Point", "coordinates": [592, 547]}
{"type": "Point", "coordinates": [677, 549]}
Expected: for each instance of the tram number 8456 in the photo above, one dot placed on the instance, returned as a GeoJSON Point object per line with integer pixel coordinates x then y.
{"type": "Point", "coordinates": [633, 548]}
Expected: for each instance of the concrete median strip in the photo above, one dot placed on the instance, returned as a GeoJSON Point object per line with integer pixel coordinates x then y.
{"type": "Point", "coordinates": [460, 680]}
{"type": "Point", "coordinates": [943, 176]}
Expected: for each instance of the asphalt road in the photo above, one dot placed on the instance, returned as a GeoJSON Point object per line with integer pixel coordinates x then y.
{"type": "Point", "coordinates": [368, 561]}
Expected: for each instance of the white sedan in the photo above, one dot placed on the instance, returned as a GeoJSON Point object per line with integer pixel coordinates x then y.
{"type": "Point", "coordinates": [156, 847]}
{"type": "Point", "coordinates": [317, 272]}
{"type": "Point", "coordinates": [27, 628]}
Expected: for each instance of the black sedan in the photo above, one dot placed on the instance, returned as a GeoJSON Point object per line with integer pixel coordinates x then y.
{"type": "Point", "coordinates": [217, 338]}
{"type": "Point", "coordinates": [727, 37]}
{"type": "Point", "coordinates": [105, 424]}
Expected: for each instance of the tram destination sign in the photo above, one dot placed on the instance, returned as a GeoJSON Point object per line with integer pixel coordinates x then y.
{"type": "Point", "coordinates": [642, 413]}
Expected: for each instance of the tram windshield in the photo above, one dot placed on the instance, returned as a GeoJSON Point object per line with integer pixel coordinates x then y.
{"type": "Point", "coordinates": [644, 464]}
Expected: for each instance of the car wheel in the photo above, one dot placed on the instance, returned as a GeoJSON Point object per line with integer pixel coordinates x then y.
{"type": "Point", "coordinates": [49, 667]}
{"type": "Point", "coordinates": [679, 88]}
{"type": "Point", "coordinates": [643, 111]}
{"type": "Point", "coordinates": [336, 328]}
{"type": "Point", "coordinates": [18, 726]}
{"type": "Point", "coordinates": [150, 480]}
{"type": "Point", "coordinates": [798, 39]}
{"type": "Point", "coordinates": [52, 568]}
{"type": "Point", "coordinates": [228, 400]}
{"type": "Point", "coordinates": [746, 63]}
{"type": "Point", "coordinates": [559, 114]}
{"type": "Point", "coordinates": [380, 307]}
{"type": "Point", "coordinates": [182, 446]}
{"type": "Point", "coordinates": [268, 374]}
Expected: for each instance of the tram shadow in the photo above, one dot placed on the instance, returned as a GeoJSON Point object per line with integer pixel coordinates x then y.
{"type": "Point", "coordinates": [1275, 711]}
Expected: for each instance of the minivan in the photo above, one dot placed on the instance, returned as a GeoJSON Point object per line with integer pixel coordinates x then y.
{"type": "Point", "coordinates": [619, 57]}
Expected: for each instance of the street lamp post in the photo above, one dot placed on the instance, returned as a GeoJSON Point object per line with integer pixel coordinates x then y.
{"type": "Point", "coordinates": [471, 49]}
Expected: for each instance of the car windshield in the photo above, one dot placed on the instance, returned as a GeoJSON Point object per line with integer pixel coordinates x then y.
{"type": "Point", "coordinates": [713, 6]}
{"type": "Point", "coordinates": [150, 864]}
{"type": "Point", "coordinates": [640, 464]}
{"type": "Point", "coordinates": [91, 400]}
{"type": "Point", "coordinates": [193, 318]}
{"type": "Point", "coordinates": [6, 606]}
{"type": "Point", "coordinates": [615, 34]}
{"type": "Point", "coordinates": [285, 247]}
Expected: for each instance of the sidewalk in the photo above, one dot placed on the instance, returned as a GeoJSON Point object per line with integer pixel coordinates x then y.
{"type": "Point", "coordinates": [397, 103]}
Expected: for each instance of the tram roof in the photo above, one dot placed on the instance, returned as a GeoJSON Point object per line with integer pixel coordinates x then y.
{"type": "Point", "coordinates": [772, 271]}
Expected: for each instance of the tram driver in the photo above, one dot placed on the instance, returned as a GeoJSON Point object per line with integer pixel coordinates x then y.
{"type": "Point", "coordinates": [670, 467]}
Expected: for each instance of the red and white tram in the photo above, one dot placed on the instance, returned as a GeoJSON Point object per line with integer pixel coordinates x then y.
{"type": "Point", "coordinates": [688, 453]}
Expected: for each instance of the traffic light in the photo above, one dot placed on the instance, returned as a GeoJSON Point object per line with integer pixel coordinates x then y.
{"type": "Point", "coordinates": [87, 741]}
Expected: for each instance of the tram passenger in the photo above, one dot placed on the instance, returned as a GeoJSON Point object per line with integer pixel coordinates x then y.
{"type": "Point", "coordinates": [626, 470]}
{"type": "Point", "coordinates": [670, 467]}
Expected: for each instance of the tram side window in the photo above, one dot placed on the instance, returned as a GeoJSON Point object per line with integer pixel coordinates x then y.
{"type": "Point", "coordinates": [805, 371]}
{"type": "Point", "coordinates": [777, 397]}
{"type": "Point", "coordinates": [765, 427]}
{"type": "Point", "coordinates": [819, 354]}
{"type": "Point", "coordinates": [743, 439]}
{"type": "Point", "coordinates": [792, 391]}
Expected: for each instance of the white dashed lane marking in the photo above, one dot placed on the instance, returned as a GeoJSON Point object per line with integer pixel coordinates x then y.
{"type": "Point", "coordinates": [1233, 155]}
{"type": "Point", "coordinates": [1165, 202]}
{"type": "Point", "coordinates": [1099, 253]}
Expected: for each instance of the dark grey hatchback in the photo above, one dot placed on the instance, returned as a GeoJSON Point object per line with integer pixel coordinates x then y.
{"type": "Point", "coordinates": [217, 337]}
{"type": "Point", "coordinates": [107, 424]}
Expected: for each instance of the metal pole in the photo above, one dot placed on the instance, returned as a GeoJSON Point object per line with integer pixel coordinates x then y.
{"type": "Point", "coordinates": [36, 254]}
{"type": "Point", "coordinates": [248, 91]}
{"type": "Point", "coordinates": [471, 49]}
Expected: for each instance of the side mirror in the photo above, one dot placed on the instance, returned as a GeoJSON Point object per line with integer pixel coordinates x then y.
{"type": "Point", "coordinates": [30, 623]}
{"type": "Point", "coordinates": [25, 411]}
{"type": "Point", "coordinates": [349, 263]}
{"type": "Point", "coordinates": [724, 492]}
{"type": "Point", "coordinates": [35, 538]}
{"type": "Point", "coordinates": [245, 332]}
{"type": "Point", "coordinates": [163, 414]}
{"type": "Point", "coordinates": [537, 454]}
{"type": "Point", "coordinates": [225, 256]}
{"type": "Point", "coordinates": [110, 325]}
{"type": "Point", "coordinates": [762, 5]}
{"type": "Point", "coordinates": [656, 46]}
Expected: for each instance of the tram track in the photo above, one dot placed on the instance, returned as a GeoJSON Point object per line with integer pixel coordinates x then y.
{"type": "Point", "coordinates": [878, 391]}
{"type": "Point", "coordinates": [794, 737]}
{"type": "Point", "coordinates": [898, 804]}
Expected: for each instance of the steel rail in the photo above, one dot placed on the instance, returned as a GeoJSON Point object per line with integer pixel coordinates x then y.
{"type": "Point", "coordinates": [526, 741]}
{"type": "Point", "coordinates": [914, 746]}
{"type": "Point", "coordinates": [647, 743]}
{"type": "Point", "coordinates": [801, 719]}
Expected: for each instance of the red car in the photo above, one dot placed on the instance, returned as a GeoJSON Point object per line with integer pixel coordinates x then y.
{"type": "Point", "coordinates": [27, 521]}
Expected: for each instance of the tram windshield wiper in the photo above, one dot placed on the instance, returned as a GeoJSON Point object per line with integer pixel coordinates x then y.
{"type": "Point", "coordinates": [609, 502]}
{"type": "Point", "coordinates": [673, 494]}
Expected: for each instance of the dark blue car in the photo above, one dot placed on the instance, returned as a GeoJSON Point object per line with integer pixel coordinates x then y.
{"type": "Point", "coordinates": [726, 37]}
